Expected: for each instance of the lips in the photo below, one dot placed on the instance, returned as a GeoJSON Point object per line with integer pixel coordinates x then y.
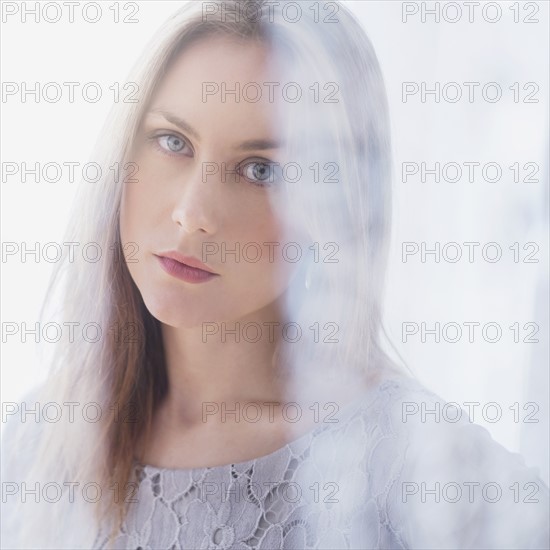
{"type": "Point", "coordinates": [186, 268]}
{"type": "Point", "coordinates": [187, 260]}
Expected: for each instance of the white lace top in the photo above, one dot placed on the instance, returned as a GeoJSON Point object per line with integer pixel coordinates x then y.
{"type": "Point", "coordinates": [378, 477]}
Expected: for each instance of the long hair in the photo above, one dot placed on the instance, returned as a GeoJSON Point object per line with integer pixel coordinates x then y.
{"type": "Point", "coordinates": [343, 126]}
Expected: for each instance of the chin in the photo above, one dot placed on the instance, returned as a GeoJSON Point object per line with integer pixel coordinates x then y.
{"type": "Point", "coordinates": [176, 313]}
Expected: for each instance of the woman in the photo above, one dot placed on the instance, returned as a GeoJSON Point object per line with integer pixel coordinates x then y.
{"type": "Point", "coordinates": [245, 398]}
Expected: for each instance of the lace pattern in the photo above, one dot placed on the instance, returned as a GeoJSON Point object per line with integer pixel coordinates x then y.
{"type": "Point", "coordinates": [337, 487]}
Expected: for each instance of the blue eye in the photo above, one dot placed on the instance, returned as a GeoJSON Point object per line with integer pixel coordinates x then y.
{"type": "Point", "coordinates": [171, 143]}
{"type": "Point", "coordinates": [263, 173]}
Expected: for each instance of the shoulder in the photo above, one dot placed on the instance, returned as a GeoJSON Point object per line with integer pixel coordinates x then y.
{"type": "Point", "coordinates": [444, 481]}
{"type": "Point", "coordinates": [402, 407]}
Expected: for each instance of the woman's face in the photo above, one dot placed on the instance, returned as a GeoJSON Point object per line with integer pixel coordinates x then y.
{"type": "Point", "coordinates": [203, 189]}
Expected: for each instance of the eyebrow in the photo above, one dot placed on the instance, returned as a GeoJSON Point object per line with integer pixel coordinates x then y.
{"type": "Point", "coordinates": [249, 145]}
{"type": "Point", "coordinates": [176, 121]}
{"type": "Point", "coordinates": [259, 144]}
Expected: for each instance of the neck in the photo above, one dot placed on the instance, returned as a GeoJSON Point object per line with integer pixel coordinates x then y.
{"type": "Point", "coordinates": [221, 362]}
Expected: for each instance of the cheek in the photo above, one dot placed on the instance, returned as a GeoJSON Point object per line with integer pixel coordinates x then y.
{"type": "Point", "coordinates": [129, 233]}
{"type": "Point", "coordinates": [131, 211]}
{"type": "Point", "coordinates": [266, 253]}
{"type": "Point", "coordinates": [135, 222]}
{"type": "Point", "coordinates": [138, 202]}
{"type": "Point", "coordinates": [125, 212]}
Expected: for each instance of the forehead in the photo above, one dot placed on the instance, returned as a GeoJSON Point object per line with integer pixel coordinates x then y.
{"type": "Point", "coordinates": [223, 82]}
{"type": "Point", "coordinates": [226, 57]}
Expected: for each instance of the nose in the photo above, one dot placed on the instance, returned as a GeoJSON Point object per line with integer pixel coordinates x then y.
{"type": "Point", "coordinates": [194, 208]}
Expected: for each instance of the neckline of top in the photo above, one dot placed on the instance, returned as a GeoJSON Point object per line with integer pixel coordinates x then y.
{"type": "Point", "coordinates": [345, 413]}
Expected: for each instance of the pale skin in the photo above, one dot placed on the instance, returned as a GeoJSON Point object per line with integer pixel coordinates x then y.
{"type": "Point", "coordinates": [174, 207]}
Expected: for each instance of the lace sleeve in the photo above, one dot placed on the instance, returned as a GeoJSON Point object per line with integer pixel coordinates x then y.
{"type": "Point", "coordinates": [459, 488]}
